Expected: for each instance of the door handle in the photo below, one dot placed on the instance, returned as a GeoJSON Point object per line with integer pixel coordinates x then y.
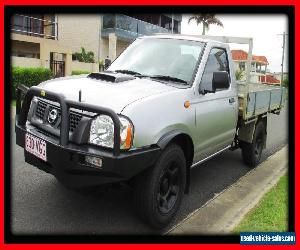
{"type": "Point", "coordinates": [231, 100]}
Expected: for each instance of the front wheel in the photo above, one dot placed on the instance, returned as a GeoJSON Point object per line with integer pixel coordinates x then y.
{"type": "Point", "coordinates": [252, 152]}
{"type": "Point", "coordinates": [159, 190]}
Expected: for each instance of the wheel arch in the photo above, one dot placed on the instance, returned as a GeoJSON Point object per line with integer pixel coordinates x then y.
{"type": "Point", "coordinates": [186, 143]}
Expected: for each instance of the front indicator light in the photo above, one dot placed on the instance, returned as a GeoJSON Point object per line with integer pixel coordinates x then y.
{"type": "Point", "coordinates": [128, 140]}
{"type": "Point", "coordinates": [126, 135]}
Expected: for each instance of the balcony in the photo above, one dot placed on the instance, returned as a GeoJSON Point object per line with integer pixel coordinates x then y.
{"type": "Point", "coordinates": [33, 26]}
{"type": "Point", "coordinates": [128, 28]}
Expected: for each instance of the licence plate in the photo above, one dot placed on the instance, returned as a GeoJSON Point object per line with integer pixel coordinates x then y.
{"type": "Point", "coordinates": [36, 146]}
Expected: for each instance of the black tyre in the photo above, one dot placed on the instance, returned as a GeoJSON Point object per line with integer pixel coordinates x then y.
{"type": "Point", "coordinates": [159, 190]}
{"type": "Point", "coordinates": [251, 152]}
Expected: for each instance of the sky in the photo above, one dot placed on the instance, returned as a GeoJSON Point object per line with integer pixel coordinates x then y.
{"type": "Point", "coordinates": [264, 30]}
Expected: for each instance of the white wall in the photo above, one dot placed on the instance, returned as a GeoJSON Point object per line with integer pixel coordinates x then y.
{"type": "Point", "coordinates": [80, 30]}
{"type": "Point", "coordinates": [235, 65]}
{"type": "Point", "coordinates": [254, 77]}
{"type": "Point", "coordinates": [91, 67]}
{"type": "Point", "coordinates": [25, 62]}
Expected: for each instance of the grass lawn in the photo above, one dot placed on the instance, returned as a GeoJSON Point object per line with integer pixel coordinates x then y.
{"type": "Point", "coordinates": [271, 213]}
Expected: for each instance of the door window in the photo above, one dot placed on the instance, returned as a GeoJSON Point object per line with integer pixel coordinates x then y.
{"type": "Point", "coordinates": [217, 61]}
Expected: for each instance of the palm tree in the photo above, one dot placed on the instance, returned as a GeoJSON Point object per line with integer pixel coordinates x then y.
{"type": "Point", "coordinates": [206, 20]}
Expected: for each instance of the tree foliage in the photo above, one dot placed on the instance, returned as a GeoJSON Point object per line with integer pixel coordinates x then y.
{"type": "Point", "coordinates": [206, 20]}
{"type": "Point", "coordinates": [85, 56]}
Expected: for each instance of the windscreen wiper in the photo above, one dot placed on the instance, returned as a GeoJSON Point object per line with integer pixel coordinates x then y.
{"type": "Point", "coordinates": [168, 78]}
{"type": "Point", "coordinates": [126, 71]}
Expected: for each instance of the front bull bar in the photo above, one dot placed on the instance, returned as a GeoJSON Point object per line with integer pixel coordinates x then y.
{"type": "Point", "coordinates": [22, 109]}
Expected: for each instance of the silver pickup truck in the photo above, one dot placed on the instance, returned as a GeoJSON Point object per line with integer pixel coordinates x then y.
{"type": "Point", "coordinates": [165, 105]}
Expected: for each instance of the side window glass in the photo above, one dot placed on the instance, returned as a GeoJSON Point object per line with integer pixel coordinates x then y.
{"type": "Point", "coordinates": [217, 61]}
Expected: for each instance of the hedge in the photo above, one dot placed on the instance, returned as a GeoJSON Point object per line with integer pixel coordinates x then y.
{"type": "Point", "coordinates": [80, 72]}
{"type": "Point", "coordinates": [29, 77]}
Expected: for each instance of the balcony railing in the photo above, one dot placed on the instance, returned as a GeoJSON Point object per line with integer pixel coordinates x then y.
{"type": "Point", "coordinates": [129, 27]}
{"type": "Point", "coordinates": [32, 26]}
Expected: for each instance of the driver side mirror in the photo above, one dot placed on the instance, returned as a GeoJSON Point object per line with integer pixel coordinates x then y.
{"type": "Point", "coordinates": [220, 80]}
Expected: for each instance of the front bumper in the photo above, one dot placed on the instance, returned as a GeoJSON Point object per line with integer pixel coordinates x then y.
{"type": "Point", "coordinates": [68, 165]}
{"type": "Point", "coordinates": [66, 158]}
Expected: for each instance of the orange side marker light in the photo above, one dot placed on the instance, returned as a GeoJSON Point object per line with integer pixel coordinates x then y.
{"type": "Point", "coordinates": [128, 138]}
{"type": "Point", "coordinates": [187, 104]}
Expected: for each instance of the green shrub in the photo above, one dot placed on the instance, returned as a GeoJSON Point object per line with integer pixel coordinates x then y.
{"type": "Point", "coordinates": [28, 77]}
{"type": "Point", "coordinates": [239, 74]}
{"type": "Point", "coordinates": [80, 72]}
{"type": "Point", "coordinates": [84, 56]}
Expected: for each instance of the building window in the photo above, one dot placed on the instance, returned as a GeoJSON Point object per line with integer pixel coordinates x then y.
{"type": "Point", "coordinates": [28, 25]}
{"type": "Point", "coordinates": [166, 22]}
{"type": "Point", "coordinates": [25, 54]}
{"type": "Point", "coordinates": [149, 18]}
{"type": "Point", "coordinates": [25, 49]}
{"type": "Point", "coordinates": [176, 26]}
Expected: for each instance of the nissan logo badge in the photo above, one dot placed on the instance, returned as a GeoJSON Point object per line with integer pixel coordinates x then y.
{"type": "Point", "coordinates": [52, 116]}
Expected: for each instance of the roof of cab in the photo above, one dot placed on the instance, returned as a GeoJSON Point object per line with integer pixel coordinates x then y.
{"type": "Point", "coordinates": [179, 36]}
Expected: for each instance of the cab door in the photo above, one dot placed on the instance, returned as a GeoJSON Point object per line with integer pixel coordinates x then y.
{"type": "Point", "coordinates": [216, 113]}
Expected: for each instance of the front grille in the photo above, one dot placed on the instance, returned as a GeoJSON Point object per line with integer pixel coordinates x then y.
{"type": "Point", "coordinates": [74, 120]}
{"type": "Point", "coordinates": [40, 111]}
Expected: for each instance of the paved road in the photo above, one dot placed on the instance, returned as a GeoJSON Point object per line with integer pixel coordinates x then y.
{"type": "Point", "coordinates": [40, 205]}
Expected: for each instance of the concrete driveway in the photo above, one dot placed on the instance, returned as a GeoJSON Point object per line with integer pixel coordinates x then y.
{"type": "Point", "coordinates": [40, 205]}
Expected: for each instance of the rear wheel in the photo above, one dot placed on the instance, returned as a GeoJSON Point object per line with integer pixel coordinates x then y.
{"type": "Point", "coordinates": [251, 152]}
{"type": "Point", "coordinates": [159, 191]}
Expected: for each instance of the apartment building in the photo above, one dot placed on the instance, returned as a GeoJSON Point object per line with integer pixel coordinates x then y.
{"type": "Point", "coordinates": [258, 72]}
{"type": "Point", "coordinates": [118, 31]}
{"type": "Point", "coordinates": [107, 35]}
{"type": "Point", "coordinates": [258, 64]}
{"type": "Point", "coordinates": [50, 40]}
{"type": "Point", "coordinates": [35, 43]}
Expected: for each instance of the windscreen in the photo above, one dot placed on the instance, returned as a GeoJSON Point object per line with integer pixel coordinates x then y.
{"type": "Point", "coordinates": [159, 56]}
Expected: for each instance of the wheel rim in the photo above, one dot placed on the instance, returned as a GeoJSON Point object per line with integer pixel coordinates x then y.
{"type": "Point", "coordinates": [168, 189]}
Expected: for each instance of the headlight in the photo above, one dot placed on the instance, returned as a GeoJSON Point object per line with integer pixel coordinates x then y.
{"type": "Point", "coordinates": [102, 132]}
